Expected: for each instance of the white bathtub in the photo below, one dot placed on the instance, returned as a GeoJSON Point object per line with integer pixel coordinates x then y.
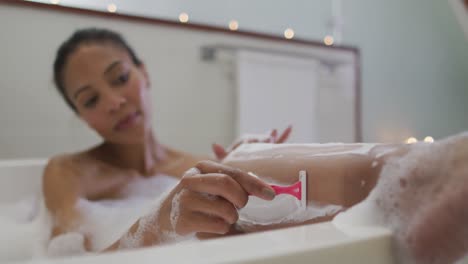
{"type": "Point", "coordinates": [319, 243]}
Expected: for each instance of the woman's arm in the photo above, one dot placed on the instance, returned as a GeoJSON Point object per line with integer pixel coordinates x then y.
{"type": "Point", "coordinates": [64, 184]}
{"type": "Point", "coordinates": [62, 189]}
{"type": "Point", "coordinates": [204, 201]}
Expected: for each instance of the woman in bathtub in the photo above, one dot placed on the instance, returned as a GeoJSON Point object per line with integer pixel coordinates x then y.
{"type": "Point", "coordinates": [105, 83]}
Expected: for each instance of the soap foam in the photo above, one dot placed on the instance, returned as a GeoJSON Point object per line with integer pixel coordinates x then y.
{"type": "Point", "coordinates": [279, 151]}
{"type": "Point", "coordinates": [175, 209]}
{"type": "Point", "coordinates": [149, 224]}
{"type": "Point", "coordinates": [145, 224]}
{"type": "Point", "coordinates": [363, 149]}
{"type": "Point", "coordinates": [403, 197]}
{"type": "Point", "coordinates": [25, 227]}
{"type": "Point", "coordinates": [108, 220]}
{"type": "Point", "coordinates": [69, 244]}
{"type": "Point", "coordinates": [104, 222]}
{"type": "Point", "coordinates": [248, 138]}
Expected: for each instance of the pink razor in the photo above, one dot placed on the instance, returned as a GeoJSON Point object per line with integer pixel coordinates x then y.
{"type": "Point", "coordinates": [298, 189]}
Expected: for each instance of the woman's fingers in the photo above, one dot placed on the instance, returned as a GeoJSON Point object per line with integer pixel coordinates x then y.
{"type": "Point", "coordinates": [213, 206]}
{"type": "Point", "coordinates": [236, 145]}
{"type": "Point", "coordinates": [208, 196]}
{"type": "Point", "coordinates": [252, 140]}
{"type": "Point", "coordinates": [285, 135]}
{"type": "Point", "coordinates": [252, 185]}
{"type": "Point", "coordinates": [217, 184]}
{"type": "Point", "coordinates": [273, 135]}
{"type": "Point", "coordinates": [219, 151]}
{"type": "Point", "coordinates": [197, 210]}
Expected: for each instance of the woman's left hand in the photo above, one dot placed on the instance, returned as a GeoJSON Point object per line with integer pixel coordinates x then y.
{"type": "Point", "coordinates": [220, 152]}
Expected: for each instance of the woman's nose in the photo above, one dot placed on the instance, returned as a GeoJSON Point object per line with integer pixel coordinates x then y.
{"type": "Point", "coordinates": [114, 101]}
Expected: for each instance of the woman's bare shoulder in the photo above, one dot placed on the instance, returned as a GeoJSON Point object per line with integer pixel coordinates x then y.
{"type": "Point", "coordinates": [69, 163]}
{"type": "Point", "coordinates": [67, 169]}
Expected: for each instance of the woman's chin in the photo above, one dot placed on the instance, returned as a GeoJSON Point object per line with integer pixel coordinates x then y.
{"type": "Point", "coordinates": [130, 137]}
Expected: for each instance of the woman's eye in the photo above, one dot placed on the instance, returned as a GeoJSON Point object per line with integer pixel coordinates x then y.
{"type": "Point", "coordinates": [91, 102]}
{"type": "Point", "coordinates": [122, 79]}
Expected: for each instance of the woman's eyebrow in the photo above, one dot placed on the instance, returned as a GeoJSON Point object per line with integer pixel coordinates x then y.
{"type": "Point", "coordinates": [82, 89]}
{"type": "Point", "coordinates": [111, 66]}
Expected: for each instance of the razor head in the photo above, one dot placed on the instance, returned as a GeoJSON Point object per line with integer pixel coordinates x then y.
{"type": "Point", "coordinates": [303, 180]}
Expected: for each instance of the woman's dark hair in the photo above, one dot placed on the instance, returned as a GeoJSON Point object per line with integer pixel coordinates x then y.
{"type": "Point", "coordinates": [86, 36]}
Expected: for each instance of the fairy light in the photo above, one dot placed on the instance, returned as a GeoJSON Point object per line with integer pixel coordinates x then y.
{"type": "Point", "coordinates": [328, 40]}
{"type": "Point", "coordinates": [112, 8]}
{"type": "Point", "coordinates": [429, 139]}
{"type": "Point", "coordinates": [233, 25]}
{"type": "Point", "coordinates": [289, 33]}
{"type": "Point", "coordinates": [183, 17]}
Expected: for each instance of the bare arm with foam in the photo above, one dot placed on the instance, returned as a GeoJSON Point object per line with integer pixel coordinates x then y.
{"type": "Point", "coordinates": [65, 184]}
{"type": "Point", "coordinates": [204, 201]}
{"type": "Point", "coordinates": [144, 232]}
{"type": "Point", "coordinates": [62, 190]}
{"type": "Point", "coordinates": [157, 227]}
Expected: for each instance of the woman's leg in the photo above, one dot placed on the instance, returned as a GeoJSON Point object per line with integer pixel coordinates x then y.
{"type": "Point", "coordinates": [339, 174]}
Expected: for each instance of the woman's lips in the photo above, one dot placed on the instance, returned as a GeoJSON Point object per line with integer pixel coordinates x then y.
{"type": "Point", "coordinates": [127, 122]}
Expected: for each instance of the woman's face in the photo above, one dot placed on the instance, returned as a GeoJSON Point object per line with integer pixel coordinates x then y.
{"type": "Point", "coordinates": [110, 93]}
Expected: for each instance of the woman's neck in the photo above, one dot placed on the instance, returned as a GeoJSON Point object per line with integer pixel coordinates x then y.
{"type": "Point", "coordinates": [143, 157]}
